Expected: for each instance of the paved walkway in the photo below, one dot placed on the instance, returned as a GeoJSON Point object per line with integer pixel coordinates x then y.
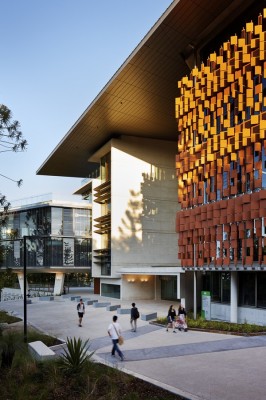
{"type": "Point", "coordinates": [196, 365]}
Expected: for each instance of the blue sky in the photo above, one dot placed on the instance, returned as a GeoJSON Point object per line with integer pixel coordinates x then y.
{"type": "Point", "coordinates": [56, 56]}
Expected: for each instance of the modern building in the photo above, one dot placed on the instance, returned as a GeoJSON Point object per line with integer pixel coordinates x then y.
{"type": "Point", "coordinates": [55, 234]}
{"type": "Point", "coordinates": [179, 133]}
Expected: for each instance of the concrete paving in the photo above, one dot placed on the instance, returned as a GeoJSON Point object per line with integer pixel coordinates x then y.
{"type": "Point", "coordinates": [195, 365]}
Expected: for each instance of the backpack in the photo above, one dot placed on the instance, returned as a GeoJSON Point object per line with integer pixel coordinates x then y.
{"type": "Point", "coordinates": [136, 313]}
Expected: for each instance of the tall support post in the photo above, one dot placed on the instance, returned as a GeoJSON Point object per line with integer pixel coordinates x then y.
{"type": "Point", "coordinates": [234, 296]}
{"type": "Point", "coordinates": [25, 287]}
{"type": "Point", "coordinates": [195, 295]}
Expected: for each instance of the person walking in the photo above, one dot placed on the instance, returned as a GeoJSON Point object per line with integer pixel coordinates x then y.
{"type": "Point", "coordinates": [134, 315]}
{"type": "Point", "coordinates": [171, 316]}
{"type": "Point", "coordinates": [81, 311]}
{"type": "Point", "coordinates": [114, 331]}
{"type": "Point", "coordinates": [182, 318]}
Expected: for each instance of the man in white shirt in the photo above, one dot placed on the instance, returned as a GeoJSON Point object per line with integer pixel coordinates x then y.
{"type": "Point", "coordinates": [114, 331]}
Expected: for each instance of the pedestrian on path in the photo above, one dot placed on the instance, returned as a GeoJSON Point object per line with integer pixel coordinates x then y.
{"type": "Point", "coordinates": [114, 331]}
{"type": "Point", "coordinates": [134, 315]}
{"type": "Point", "coordinates": [81, 311]}
{"type": "Point", "coordinates": [182, 318]}
{"type": "Point", "coordinates": [171, 316]}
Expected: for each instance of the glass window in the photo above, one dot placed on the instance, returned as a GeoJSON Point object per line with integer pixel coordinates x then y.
{"type": "Point", "coordinates": [239, 249]}
{"type": "Point", "coordinates": [82, 222]}
{"type": "Point", "coordinates": [263, 168]}
{"type": "Point", "coordinates": [56, 252]}
{"type": "Point", "coordinates": [215, 286]}
{"type": "Point", "coordinates": [239, 177]}
{"type": "Point", "coordinates": [212, 183]}
{"type": "Point", "coordinates": [57, 221]}
{"type": "Point", "coordinates": [226, 286]}
{"type": "Point", "coordinates": [205, 194]}
{"type": "Point", "coordinates": [225, 180]}
{"type": "Point", "coordinates": [68, 251]}
{"type": "Point", "coordinates": [106, 167]}
{"type": "Point", "coordinates": [68, 222]}
{"type": "Point", "coordinates": [83, 254]}
{"type": "Point", "coordinates": [247, 288]}
{"type": "Point", "coordinates": [110, 290]}
{"type": "Point", "coordinates": [218, 125]}
{"type": "Point", "coordinates": [248, 187]}
{"type": "Point", "coordinates": [218, 249]}
{"type": "Point", "coordinates": [261, 285]}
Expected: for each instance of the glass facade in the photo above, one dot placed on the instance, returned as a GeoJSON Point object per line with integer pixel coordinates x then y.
{"type": "Point", "coordinates": [62, 238]}
{"type": "Point", "coordinates": [251, 288]}
{"type": "Point", "coordinates": [109, 290]}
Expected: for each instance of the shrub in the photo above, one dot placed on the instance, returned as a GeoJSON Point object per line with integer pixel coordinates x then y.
{"type": "Point", "coordinates": [75, 358]}
{"type": "Point", "coordinates": [8, 346]}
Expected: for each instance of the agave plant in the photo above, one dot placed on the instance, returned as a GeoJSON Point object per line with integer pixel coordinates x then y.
{"type": "Point", "coordinates": [75, 357]}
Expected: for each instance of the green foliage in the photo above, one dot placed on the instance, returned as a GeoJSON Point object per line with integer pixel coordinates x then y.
{"type": "Point", "coordinates": [222, 326]}
{"type": "Point", "coordinates": [9, 343]}
{"type": "Point", "coordinates": [6, 318]}
{"type": "Point", "coordinates": [75, 357]}
{"type": "Point", "coordinates": [8, 278]}
{"type": "Point", "coordinates": [11, 139]}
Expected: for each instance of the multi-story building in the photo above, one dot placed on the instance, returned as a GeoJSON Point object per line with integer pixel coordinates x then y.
{"type": "Point", "coordinates": [55, 234]}
{"type": "Point", "coordinates": [212, 123]}
{"type": "Point", "coordinates": [134, 204]}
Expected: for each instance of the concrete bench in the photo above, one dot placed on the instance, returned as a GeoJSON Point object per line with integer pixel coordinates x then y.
{"type": "Point", "coordinates": [40, 351]}
{"type": "Point", "coordinates": [46, 298]}
{"type": "Point", "coordinates": [113, 307]}
{"type": "Point", "coordinates": [97, 305]}
{"type": "Point", "coordinates": [73, 298]}
{"type": "Point", "coordinates": [28, 301]}
{"type": "Point", "coordinates": [90, 302]}
{"type": "Point", "coordinates": [148, 317]}
{"type": "Point", "coordinates": [124, 311]}
{"type": "Point", "coordinates": [84, 299]}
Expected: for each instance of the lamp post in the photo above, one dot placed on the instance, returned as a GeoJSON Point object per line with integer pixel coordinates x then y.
{"type": "Point", "coordinates": [25, 287]}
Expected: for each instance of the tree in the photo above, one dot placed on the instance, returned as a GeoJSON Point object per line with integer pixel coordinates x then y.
{"type": "Point", "coordinates": [11, 139]}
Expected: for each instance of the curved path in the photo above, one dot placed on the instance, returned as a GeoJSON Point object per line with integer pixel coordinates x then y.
{"type": "Point", "coordinates": [196, 365]}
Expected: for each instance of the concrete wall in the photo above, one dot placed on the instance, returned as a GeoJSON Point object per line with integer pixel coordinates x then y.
{"type": "Point", "coordinates": [144, 203]}
{"type": "Point", "coordinates": [138, 288]}
{"type": "Point", "coordinates": [250, 315]}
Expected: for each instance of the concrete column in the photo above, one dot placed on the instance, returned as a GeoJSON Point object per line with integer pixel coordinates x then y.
{"type": "Point", "coordinates": [59, 283]}
{"type": "Point", "coordinates": [195, 295]}
{"type": "Point", "coordinates": [234, 297]}
{"type": "Point", "coordinates": [21, 282]}
{"type": "Point", "coordinates": [178, 289]}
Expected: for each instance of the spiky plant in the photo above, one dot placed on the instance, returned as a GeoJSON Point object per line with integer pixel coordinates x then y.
{"type": "Point", "coordinates": [75, 357]}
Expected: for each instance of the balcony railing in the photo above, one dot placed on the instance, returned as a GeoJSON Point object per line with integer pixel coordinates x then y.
{"type": "Point", "coordinates": [48, 251]}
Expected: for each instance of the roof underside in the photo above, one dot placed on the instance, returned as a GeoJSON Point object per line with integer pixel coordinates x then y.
{"type": "Point", "coordinates": [139, 100]}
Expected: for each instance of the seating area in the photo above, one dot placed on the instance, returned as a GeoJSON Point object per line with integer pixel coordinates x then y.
{"type": "Point", "coordinates": [46, 298]}
{"type": "Point", "coordinates": [91, 302]}
{"type": "Point", "coordinates": [148, 317]}
{"type": "Point", "coordinates": [40, 351]}
{"type": "Point", "coordinates": [99, 304]}
{"type": "Point", "coordinates": [124, 311]}
{"type": "Point", "coordinates": [113, 307]}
